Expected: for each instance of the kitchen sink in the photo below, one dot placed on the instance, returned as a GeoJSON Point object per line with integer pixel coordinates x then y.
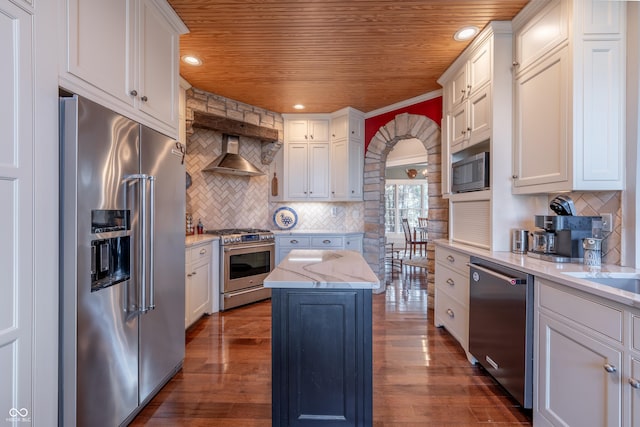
{"type": "Point", "coordinates": [624, 281]}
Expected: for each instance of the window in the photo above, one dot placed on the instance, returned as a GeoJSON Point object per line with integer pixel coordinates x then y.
{"type": "Point", "coordinates": [404, 198]}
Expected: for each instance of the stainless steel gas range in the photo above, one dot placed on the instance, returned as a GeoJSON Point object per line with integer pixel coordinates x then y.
{"type": "Point", "coordinates": [247, 256]}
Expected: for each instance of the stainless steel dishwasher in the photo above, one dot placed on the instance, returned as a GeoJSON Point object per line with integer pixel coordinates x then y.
{"type": "Point", "coordinates": [501, 325]}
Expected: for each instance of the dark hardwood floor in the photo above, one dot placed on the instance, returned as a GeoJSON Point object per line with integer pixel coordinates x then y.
{"type": "Point", "coordinates": [421, 376]}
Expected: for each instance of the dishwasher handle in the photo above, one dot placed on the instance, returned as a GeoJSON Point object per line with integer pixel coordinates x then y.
{"type": "Point", "coordinates": [509, 280]}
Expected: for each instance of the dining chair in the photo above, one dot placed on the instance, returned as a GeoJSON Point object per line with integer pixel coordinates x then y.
{"type": "Point", "coordinates": [411, 240]}
{"type": "Point", "coordinates": [423, 225]}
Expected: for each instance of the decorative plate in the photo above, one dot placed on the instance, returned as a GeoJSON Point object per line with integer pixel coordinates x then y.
{"type": "Point", "coordinates": [285, 218]}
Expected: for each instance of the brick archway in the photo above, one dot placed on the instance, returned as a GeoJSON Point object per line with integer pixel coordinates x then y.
{"type": "Point", "coordinates": [404, 126]}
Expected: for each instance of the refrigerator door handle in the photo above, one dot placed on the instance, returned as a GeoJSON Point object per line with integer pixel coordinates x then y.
{"type": "Point", "coordinates": [146, 277]}
{"type": "Point", "coordinates": [152, 215]}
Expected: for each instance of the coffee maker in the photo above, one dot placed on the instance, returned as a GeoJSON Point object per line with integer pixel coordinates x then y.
{"type": "Point", "coordinates": [560, 239]}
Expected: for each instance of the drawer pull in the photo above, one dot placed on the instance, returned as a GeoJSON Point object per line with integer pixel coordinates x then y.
{"type": "Point", "coordinates": [634, 383]}
{"type": "Point", "coordinates": [450, 282]}
{"type": "Point", "coordinates": [294, 242]}
{"type": "Point", "coordinates": [609, 368]}
{"type": "Point", "coordinates": [203, 251]}
{"type": "Point", "coordinates": [326, 241]}
{"type": "Point", "coordinates": [450, 313]}
{"type": "Point", "coordinates": [450, 258]}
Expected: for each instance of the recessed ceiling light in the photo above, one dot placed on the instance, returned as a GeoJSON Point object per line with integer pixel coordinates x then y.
{"type": "Point", "coordinates": [191, 60]}
{"type": "Point", "coordinates": [465, 33]}
{"type": "Point", "coordinates": [299, 107]}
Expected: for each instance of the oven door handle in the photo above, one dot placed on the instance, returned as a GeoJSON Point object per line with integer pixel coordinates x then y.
{"type": "Point", "coordinates": [242, 247]}
{"type": "Point", "coordinates": [509, 280]}
{"type": "Point", "coordinates": [244, 291]}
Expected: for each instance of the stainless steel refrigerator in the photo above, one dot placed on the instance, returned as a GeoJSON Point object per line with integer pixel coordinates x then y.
{"type": "Point", "coordinates": [122, 337]}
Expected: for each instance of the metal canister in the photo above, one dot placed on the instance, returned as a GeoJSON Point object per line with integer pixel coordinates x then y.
{"type": "Point", "coordinates": [592, 251]}
{"type": "Point", "coordinates": [519, 241]}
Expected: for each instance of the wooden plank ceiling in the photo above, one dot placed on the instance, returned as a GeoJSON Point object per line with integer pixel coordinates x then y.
{"type": "Point", "coordinates": [327, 54]}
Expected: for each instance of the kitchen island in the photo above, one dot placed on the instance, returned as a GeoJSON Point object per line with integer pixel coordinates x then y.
{"type": "Point", "coordinates": [322, 339]}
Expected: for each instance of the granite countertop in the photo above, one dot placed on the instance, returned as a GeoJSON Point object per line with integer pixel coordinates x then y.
{"type": "Point", "coordinates": [556, 272]}
{"type": "Point", "coordinates": [199, 238]}
{"type": "Point", "coordinates": [317, 231]}
{"type": "Point", "coordinates": [322, 269]}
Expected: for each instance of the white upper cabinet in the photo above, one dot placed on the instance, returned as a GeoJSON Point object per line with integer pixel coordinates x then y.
{"type": "Point", "coordinates": [308, 130]}
{"type": "Point", "coordinates": [467, 99]}
{"type": "Point", "coordinates": [569, 96]}
{"type": "Point", "coordinates": [306, 158]}
{"type": "Point", "coordinates": [347, 155]}
{"type": "Point", "coordinates": [306, 172]}
{"type": "Point", "coordinates": [323, 156]}
{"type": "Point", "coordinates": [478, 88]}
{"type": "Point", "coordinates": [124, 55]}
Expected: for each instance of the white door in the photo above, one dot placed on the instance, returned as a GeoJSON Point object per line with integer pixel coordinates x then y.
{"type": "Point", "coordinates": [16, 215]}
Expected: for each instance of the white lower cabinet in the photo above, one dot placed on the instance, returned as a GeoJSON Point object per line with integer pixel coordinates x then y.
{"type": "Point", "coordinates": [634, 384]}
{"type": "Point", "coordinates": [201, 283]}
{"type": "Point", "coordinates": [287, 243]}
{"type": "Point", "coordinates": [579, 377]}
{"type": "Point", "coordinates": [452, 295]}
{"type": "Point", "coordinates": [585, 364]}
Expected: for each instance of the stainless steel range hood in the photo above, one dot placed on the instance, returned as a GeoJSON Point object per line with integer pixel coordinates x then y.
{"type": "Point", "coordinates": [230, 162]}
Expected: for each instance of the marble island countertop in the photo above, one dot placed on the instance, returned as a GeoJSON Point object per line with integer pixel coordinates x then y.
{"type": "Point", "coordinates": [322, 269]}
{"type": "Point", "coordinates": [574, 275]}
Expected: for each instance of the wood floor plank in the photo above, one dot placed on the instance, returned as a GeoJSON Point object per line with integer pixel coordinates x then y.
{"type": "Point", "coordinates": [421, 375]}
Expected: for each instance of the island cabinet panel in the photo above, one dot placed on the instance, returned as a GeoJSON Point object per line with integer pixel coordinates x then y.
{"type": "Point", "coordinates": [322, 367]}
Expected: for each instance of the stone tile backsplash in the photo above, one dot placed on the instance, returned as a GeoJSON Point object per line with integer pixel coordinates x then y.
{"type": "Point", "coordinates": [345, 217]}
{"type": "Point", "coordinates": [229, 201]}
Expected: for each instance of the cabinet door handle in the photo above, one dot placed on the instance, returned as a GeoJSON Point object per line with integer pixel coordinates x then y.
{"type": "Point", "coordinates": [133, 93]}
{"type": "Point", "coordinates": [311, 136]}
{"type": "Point", "coordinates": [326, 241]}
{"type": "Point", "coordinates": [203, 251]}
{"type": "Point", "coordinates": [450, 282]}
{"type": "Point", "coordinates": [450, 258]}
{"type": "Point", "coordinates": [193, 274]}
{"type": "Point", "coordinates": [189, 275]}
{"type": "Point", "coordinates": [450, 313]}
{"type": "Point", "coordinates": [634, 383]}
{"type": "Point", "coordinates": [515, 63]}
{"type": "Point", "coordinates": [144, 99]}
{"type": "Point", "coordinates": [609, 368]}
{"type": "Point", "coordinates": [514, 176]}
{"type": "Point", "coordinates": [293, 242]}
{"type": "Point", "coordinates": [462, 91]}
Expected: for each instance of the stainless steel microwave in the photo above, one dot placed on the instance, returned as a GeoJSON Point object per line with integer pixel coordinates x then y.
{"type": "Point", "coordinates": [470, 173]}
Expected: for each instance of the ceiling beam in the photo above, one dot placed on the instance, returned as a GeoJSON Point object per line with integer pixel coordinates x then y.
{"type": "Point", "coordinates": [233, 127]}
